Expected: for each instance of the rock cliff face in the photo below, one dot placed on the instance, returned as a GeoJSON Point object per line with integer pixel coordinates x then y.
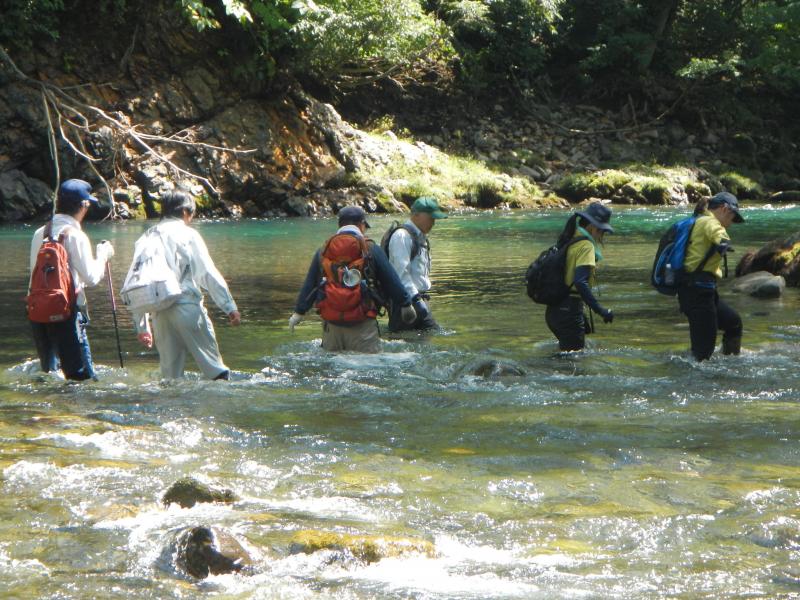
{"type": "Point", "coordinates": [281, 146]}
{"type": "Point", "coordinates": [158, 101]}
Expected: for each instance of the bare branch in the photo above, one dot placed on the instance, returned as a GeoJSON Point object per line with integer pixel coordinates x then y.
{"type": "Point", "coordinates": [57, 100]}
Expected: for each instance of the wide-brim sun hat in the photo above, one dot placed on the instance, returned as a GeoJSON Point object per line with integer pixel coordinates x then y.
{"type": "Point", "coordinates": [598, 215]}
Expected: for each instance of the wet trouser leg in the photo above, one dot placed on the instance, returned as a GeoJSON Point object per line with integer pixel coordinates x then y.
{"type": "Point", "coordinates": [423, 321]}
{"type": "Point", "coordinates": [358, 337]}
{"type": "Point", "coordinates": [567, 323]}
{"type": "Point", "coordinates": [182, 329]}
{"type": "Point", "coordinates": [706, 314]}
{"type": "Point", "coordinates": [729, 321]}
{"type": "Point", "coordinates": [66, 343]}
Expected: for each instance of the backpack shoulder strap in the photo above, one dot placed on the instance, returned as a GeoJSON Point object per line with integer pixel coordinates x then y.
{"type": "Point", "coordinates": [574, 240]}
{"type": "Point", "coordinates": [415, 244]}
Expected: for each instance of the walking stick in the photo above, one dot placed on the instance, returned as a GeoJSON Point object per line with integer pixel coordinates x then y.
{"type": "Point", "coordinates": [114, 310]}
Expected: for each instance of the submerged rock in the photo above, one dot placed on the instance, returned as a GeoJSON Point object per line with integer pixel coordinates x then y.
{"type": "Point", "coordinates": [491, 368]}
{"type": "Point", "coordinates": [188, 491]}
{"type": "Point", "coordinates": [367, 548]}
{"type": "Point", "coordinates": [779, 257]}
{"type": "Point", "coordinates": [760, 284]}
{"type": "Point", "coordinates": [203, 551]}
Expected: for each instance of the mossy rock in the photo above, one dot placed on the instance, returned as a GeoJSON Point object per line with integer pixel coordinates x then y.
{"type": "Point", "coordinates": [188, 491]}
{"type": "Point", "coordinates": [695, 190]}
{"type": "Point", "coordinates": [487, 194]}
{"type": "Point", "coordinates": [741, 186]}
{"type": "Point", "coordinates": [577, 187]}
{"type": "Point", "coordinates": [655, 191]}
{"type": "Point", "coordinates": [366, 548]}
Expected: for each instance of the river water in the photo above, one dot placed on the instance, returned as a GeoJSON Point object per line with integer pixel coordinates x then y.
{"type": "Point", "coordinates": [627, 471]}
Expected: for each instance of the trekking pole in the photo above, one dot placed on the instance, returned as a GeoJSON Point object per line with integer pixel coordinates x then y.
{"type": "Point", "coordinates": [114, 310]}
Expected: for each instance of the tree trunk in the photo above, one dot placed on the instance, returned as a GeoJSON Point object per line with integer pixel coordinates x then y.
{"type": "Point", "coordinates": [664, 15]}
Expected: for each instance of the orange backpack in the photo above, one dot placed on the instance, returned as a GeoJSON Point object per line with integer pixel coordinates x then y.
{"type": "Point", "coordinates": [52, 293]}
{"type": "Point", "coordinates": [343, 303]}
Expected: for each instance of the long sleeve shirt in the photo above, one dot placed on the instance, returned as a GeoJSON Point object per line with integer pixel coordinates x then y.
{"type": "Point", "coordinates": [415, 274]}
{"type": "Point", "coordinates": [87, 271]}
{"type": "Point", "coordinates": [189, 258]}
{"type": "Point", "coordinates": [387, 277]}
{"type": "Point", "coordinates": [707, 232]}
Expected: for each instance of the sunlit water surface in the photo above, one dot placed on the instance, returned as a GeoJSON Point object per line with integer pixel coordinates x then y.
{"type": "Point", "coordinates": [627, 471]}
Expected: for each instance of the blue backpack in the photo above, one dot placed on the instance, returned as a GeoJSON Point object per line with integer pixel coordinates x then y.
{"type": "Point", "coordinates": [668, 266]}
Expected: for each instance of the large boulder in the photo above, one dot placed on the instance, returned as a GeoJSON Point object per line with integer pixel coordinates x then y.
{"type": "Point", "coordinates": [779, 257]}
{"type": "Point", "coordinates": [22, 197]}
{"type": "Point", "coordinates": [203, 551]}
{"type": "Point", "coordinates": [760, 284]}
{"type": "Point", "coordinates": [188, 491]}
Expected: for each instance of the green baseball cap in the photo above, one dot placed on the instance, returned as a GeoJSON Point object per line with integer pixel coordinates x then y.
{"type": "Point", "coordinates": [427, 204]}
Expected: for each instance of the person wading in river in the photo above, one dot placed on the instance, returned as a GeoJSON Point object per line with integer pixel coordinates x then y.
{"type": "Point", "coordinates": [697, 289]}
{"type": "Point", "coordinates": [347, 281]}
{"type": "Point", "coordinates": [566, 320]}
{"type": "Point", "coordinates": [66, 342]}
{"type": "Point", "coordinates": [184, 327]}
{"type": "Point", "coordinates": [409, 251]}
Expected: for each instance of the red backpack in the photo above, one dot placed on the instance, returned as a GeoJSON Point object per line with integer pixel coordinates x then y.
{"type": "Point", "coordinates": [342, 303]}
{"type": "Point", "coordinates": [52, 293]}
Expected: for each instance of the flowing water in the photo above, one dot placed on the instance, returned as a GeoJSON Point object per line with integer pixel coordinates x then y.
{"type": "Point", "coordinates": [627, 471]}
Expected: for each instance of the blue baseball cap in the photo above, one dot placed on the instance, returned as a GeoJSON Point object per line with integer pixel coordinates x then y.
{"type": "Point", "coordinates": [352, 215]}
{"type": "Point", "coordinates": [74, 191]}
{"type": "Point", "coordinates": [718, 200]}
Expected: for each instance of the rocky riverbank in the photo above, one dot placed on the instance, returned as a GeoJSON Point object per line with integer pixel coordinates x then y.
{"type": "Point", "coordinates": [167, 108]}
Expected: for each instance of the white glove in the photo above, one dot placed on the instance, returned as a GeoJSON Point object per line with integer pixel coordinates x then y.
{"type": "Point", "coordinates": [294, 320]}
{"type": "Point", "coordinates": [104, 251]}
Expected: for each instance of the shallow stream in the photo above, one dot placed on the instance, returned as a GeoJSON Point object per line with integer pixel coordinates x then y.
{"type": "Point", "coordinates": [627, 471]}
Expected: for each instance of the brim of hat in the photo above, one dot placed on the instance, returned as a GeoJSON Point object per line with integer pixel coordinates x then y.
{"type": "Point", "coordinates": [600, 225]}
{"type": "Point", "coordinates": [367, 225]}
{"type": "Point", "coordinates": [93, 200]}
{"type": "Point", "coordinates": [738, 218]}
{"type": "Point", "coordinates": [437, 214]}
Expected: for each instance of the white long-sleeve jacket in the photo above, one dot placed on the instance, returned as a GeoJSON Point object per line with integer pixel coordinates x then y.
{"type": "Point", "coordinates": [87, 271]}
{"type": "Point", "coordinates": [193, 267]}
{"type": "Point", "coordinates": [415, 274]}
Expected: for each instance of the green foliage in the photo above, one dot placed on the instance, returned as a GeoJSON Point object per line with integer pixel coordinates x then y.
{"type": "Point", "coordinates": [364, 38]}
{"type": "Point", "coordinates": [503, 41]}
{"type": "Point", "coordinates": [22, 21]}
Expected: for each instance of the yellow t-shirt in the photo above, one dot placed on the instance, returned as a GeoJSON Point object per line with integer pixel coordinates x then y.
{"type": "Point", "coordinates": [707, 231]}
{"type": "Point", "coordinates": [579, 254]}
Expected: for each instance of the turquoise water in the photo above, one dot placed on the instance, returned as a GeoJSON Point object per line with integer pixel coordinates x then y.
{"type": "Point", "coordinates": [626, 472]}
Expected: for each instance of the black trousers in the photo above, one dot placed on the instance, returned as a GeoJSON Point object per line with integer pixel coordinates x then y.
{"type": "Point", "coordinates": [567, 323]}
{"type": "Point", "coordinates": [700, 302]}
{"type": "Point", "coordinates": [423, 322]}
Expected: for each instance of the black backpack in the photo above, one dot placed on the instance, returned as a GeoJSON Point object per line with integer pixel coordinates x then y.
{"type": "Point", "coordinates": [387, 237]}
{"type": "Point", "coordinates": [545, 275]}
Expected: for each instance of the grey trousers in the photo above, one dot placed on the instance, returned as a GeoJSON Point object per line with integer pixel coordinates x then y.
{"type": "Point", "coordinates": [360, 337]}
{"type": "Point", "coordinates": [183, 328]}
